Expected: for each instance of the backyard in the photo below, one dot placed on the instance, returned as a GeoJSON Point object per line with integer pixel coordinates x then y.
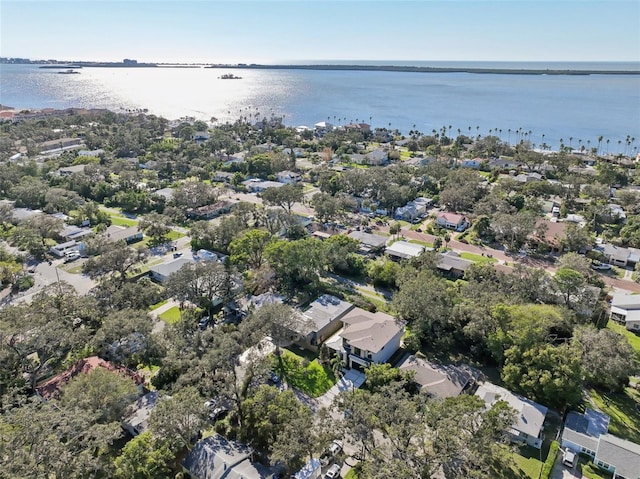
{"type": "Point", "coordinates": [624, 410]}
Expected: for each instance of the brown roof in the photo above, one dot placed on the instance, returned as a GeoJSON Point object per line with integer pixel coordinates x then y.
{"type": "Point", "coordinates": [51, 387]}
{"type": "Point", "coordinates": [555, 231]}
{"type": "Point", "coordinates": [452, 217]}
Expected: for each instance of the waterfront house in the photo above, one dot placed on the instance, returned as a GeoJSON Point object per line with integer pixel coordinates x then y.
{"type": "Point", "coordinates": [452, 221]}
{"type": "Point", "coordinates": [530, 418]}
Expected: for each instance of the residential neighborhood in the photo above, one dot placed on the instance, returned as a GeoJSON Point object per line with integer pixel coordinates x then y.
{"type": "Point", "coordinates": [251, 300]}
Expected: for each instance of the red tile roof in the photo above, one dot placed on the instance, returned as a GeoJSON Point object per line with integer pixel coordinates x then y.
{"type": "Point", "coordinates": [51, 387]}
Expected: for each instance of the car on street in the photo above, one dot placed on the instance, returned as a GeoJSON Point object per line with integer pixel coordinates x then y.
{"type": "Point", "coordinates": [333, 472]}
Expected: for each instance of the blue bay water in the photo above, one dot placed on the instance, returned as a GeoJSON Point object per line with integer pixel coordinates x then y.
{"type": "Point", "coordinates": [581, 107]}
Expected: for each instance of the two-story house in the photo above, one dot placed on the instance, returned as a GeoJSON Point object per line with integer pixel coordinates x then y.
{"type": "Point", "coordinates": [367, 338]}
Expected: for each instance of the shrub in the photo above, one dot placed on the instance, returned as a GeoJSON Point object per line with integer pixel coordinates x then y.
{"type": "Point", "coordinates": [551, 459]}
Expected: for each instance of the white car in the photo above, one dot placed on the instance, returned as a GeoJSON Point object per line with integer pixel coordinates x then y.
{"type": "Point", "coordinates": [568, 457]}
{"type": "Point", "coordinates": [333, 472]}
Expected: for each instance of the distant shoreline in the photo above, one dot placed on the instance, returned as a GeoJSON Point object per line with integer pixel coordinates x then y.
{"type": "Point", "coordinates": [418, 69]}
{"type": "Point", "coordinates": [354, 67]}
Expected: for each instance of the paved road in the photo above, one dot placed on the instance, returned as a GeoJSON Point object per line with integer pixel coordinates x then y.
{"type": "Point", "coordinates": [505, 260]}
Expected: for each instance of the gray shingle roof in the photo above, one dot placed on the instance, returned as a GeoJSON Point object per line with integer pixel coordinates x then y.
{"type": "Point", "coordinates": [624, 455]}
{"type": "Point", "coordinates": [438, 380]}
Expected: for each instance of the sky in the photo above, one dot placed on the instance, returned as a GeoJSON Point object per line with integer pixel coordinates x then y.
{"type": "Point", "coordinates": [267, 31]}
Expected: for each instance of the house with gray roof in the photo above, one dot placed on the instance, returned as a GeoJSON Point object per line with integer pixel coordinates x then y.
{"type": "Point", "coordinates": [530, 418]}
{"type": "Point", "coordinates": [619, 256]}
{"type": "Point", "coordinates": [321, 319]}
{"type": "Point", "coordinates": [404, 250]}
{"type": "Point", "coordinates": [437, 380]}
{"type": "Point", "coordinates": [369, 243]}
{"type": "Point", "coordinates": [119, 233]}
{"type": "Point", "coordinates": [582, 431]}
{"type": "Point", "coordinates": [217, 457]}
{"type": "Point", "coordinates": [453, 265]}
{"type": "Point", "coordinates": [367, 338]}
{"type": "Point", "coordinates": [137, 421]}
{"type": "Point", "coordinates": [618, 456]}
{"type": "Point", "coordinates": [161, 272]}
{"type": "Point", "coordinates": [256, 185]}
{"type": "Point", "coordinates": [587, 433]}
{"type": "Point", "coordinates": [625, 309]}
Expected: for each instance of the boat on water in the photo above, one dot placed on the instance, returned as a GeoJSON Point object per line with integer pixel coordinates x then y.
{"type": "Point", "coordinates": [229, 76]}
{"type": "Point", "coordinates": [69, 72]}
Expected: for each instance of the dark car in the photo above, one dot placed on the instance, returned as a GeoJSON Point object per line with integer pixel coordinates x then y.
{"type": "Point", "coordinates": [204, 322]}
{"type": "Point", "coordinates": [274, 378]}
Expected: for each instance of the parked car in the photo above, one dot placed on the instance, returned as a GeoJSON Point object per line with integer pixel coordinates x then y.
{"type": "Point", "coordinates": [274, 378]}
{"type": "Point", "coordinates": [333, 472]}
{"type": "Point", "coordinates": [217, 409]}
{"type": "Point", "coordinates": [71, 256]}
{"type": "Point", "coordinates": [177, 255]}
{"type": "Point", "coordinates": [568, 457]}
{"type": "Point", "coordinates": [204, 322]}
{"type": "Point", "coordinates": [600, 266]}
{"type": "Point", "coordinates": [335, 448]}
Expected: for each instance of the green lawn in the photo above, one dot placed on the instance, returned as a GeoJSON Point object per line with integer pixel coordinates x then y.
{"type": "Point", "coordinates": [171, 236]}
{"type": "Point", "coordinates": [171, 316]}
{"type": "Point", "coordinates": [307, 376]}
{"type": "Point", "coordinates": [633, 339]}
{"type": "Point", "coordinates": [423, 243]}
{"type": "Point", "coordinates": [589, 470]}
{"type": "Point", "coordinates": [157, 305]}
{"type": "Point", "coordinates": [623, 408]}
{"type": "Point", "coordinates": [122, 221]}
{"type": "Point", "coordinates": [521, 466]}
{"type": "Point", "coordinates": [476, 258]}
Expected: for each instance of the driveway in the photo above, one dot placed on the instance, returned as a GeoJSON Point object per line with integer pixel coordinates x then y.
{"type": "Point", "coordinates": [560, 471]}
{"type": "Point", "coordinates": [351, 380]}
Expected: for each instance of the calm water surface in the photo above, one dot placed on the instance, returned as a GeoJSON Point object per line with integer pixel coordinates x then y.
{"type": "Point", "coordinates": [581, 107]}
